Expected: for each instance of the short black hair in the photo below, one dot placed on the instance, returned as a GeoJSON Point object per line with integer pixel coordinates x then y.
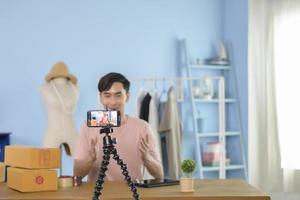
{"type": "Point", "coordinates": [107, 80]}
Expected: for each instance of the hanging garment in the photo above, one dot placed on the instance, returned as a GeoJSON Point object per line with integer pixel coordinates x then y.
{"type": "Point", "coordinates": [170, 124]}
{"type": "Point", "coordinates": [160, 109]}
{"type": "Point", "coordinates": [141, 95]}
{"type": "Point", "coordinates": [143, 111]}
{"type": "Point", "coordinates": [144, 114]}
{"type": "Point", "coordinates": [153, 120]}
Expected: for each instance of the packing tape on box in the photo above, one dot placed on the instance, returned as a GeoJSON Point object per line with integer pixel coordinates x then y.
{"type": "Point", "coordinates": [65, 181]}
{"type": "Point", "coordinates": [2, 172]}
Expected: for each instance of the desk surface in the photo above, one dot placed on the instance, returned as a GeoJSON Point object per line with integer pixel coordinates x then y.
{"type": "Point", "coordinates": [204, 189]}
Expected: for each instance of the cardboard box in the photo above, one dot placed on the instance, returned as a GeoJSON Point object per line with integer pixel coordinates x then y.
{"type": "Point", "coordinates": [32, 157]}
{"type": "Point", "coordinates": [31, 180]}
{"type": "Point", "coordinates": [2, 172]}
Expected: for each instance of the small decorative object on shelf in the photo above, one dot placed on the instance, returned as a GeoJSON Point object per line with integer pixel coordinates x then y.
{"type": "Point", "coordinates": [204, 89]}
{"type": "Point", "coordinates": [199, 61]}
{"type": "Point", "coordinates": [196, 90]}
{"type": "Point", "coordinates": [212, 154]}
{"type": "Point", "coordinates": [188, 166]}
{"type": "Point", "coordinates": [222, 58]}
{"type": "Point", "coordinates": [200, 122]}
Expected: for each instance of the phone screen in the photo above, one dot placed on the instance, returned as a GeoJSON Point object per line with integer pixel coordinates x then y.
{"type": "Point", "coordinates": [103, 118]}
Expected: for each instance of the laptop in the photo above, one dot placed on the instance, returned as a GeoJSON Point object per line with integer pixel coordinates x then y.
{"type": "Point", "coordinates": [155, 183]}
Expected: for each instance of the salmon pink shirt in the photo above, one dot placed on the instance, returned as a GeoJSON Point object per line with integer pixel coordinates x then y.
{"type": "Point", "coordinates": [129, 136]}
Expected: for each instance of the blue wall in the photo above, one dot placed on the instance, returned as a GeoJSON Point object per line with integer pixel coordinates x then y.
{"type": "Point", "coordinates": [134, 37]}
{"type": "Point", "coordinates": [235, 33]}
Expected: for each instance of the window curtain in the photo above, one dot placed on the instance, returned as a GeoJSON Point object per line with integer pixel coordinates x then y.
{"type": "Point", "coordinates": [273, 134]}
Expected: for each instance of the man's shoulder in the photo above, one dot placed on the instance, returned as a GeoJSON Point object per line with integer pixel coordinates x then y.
{"type": "Point", "coordinates": [141, 125]}
{"type": "Point", "coordinates": [138, 122]}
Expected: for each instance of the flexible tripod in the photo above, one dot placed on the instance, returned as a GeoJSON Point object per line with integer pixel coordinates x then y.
{"type": "Point", "coordinates": [109, 148]}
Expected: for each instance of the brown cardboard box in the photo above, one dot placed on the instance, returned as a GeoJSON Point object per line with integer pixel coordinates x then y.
{"type": "Point", "coordinates": [31, 180]}
{"type": "Point", "coordinates": [32, 157]}
{"type": "Point", "coordinates": [2, 172]}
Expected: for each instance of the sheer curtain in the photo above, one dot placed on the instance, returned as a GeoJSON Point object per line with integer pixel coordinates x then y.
{"type": "Point", "coordinates": [274, 130]}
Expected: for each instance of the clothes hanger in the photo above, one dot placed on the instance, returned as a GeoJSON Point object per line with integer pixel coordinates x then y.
{"type": "Point", "coordinates": [152, 86]}
{"type": "Point", "coordinates": [164, 93]}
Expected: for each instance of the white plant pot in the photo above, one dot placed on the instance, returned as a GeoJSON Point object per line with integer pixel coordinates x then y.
{"type": "Point", "coordinates": [187, 184]}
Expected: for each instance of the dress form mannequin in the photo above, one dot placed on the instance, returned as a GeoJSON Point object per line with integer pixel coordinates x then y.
{"type": "Point", "coordinates": [60, 96]}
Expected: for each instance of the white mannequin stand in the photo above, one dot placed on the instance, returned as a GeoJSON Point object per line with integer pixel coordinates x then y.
{"type": "Point", "coordinates": [60, 97]}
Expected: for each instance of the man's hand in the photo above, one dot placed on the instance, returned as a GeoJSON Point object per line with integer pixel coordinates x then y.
{"type": "Point", "coordinates": [93, 150]}
{"type": "Point", "coordinates": [153, 165]}
{"type": "Point", "coordinates": [145, 149]}
{"type": "Point", "coordinates": [82, 168]}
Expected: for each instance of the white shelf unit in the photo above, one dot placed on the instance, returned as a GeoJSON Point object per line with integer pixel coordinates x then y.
{"type": "Point", "coordinates": [222, 135]}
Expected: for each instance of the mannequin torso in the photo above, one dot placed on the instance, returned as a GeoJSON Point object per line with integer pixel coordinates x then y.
{"type": "Point", "coordinates": [60, 97]}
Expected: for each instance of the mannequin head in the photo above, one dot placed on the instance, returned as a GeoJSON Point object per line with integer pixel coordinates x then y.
{"type": "Point", "coordinates": [114, 91]}
{"type": "Point", "coordinates": [60, 69]}
{"type": "Point", "coordinates": [60, 80]}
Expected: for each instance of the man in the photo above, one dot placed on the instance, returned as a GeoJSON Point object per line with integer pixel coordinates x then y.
{"type": "Point", "coordinates": [135, 141]}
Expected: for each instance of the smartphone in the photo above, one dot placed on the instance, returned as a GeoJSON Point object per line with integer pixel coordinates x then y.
{"type": "Point", "coordinates": [155, 182]}
{"type": "Point", "coordinates": [103, 118]}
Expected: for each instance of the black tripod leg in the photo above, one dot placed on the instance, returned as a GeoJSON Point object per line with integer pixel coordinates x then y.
{"type": "Point", "coordinates": [125, 173]}
{"type": "Point", "coordinates": [103, 169]}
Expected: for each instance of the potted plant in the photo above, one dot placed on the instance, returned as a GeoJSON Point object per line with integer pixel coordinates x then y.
{"type": "Point", "coordinates": [188, 166]}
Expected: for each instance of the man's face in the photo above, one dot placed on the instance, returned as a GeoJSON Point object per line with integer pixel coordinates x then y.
{"type": "Point", "coordinates": [115, 98]}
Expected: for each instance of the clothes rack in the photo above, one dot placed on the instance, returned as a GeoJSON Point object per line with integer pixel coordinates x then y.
{"type": "Point", "coordinates": [221, 115]}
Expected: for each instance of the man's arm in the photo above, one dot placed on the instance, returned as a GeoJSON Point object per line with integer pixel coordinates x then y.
{"type": "Point", "coordinates": [82, 167]}
{"type": "Point", "coordinates": [152, 164]}
{"type": "Point", "coordinates": [154, 167]}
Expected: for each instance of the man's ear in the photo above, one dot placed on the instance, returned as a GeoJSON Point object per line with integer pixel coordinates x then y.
{"type": "Point", "coordinates": [127, 98]}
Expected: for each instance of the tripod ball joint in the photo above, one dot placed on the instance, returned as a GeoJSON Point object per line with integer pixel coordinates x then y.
{"type": "Point", "coordinates": [105, 162]}
{"type": "Point", "coordinates": [133, 189]}
{"type": "Point", "coordinates": [128, 179]}
{"type": "Point", "coordinates": [106, 153]}
{"type": "Point", "coordinates": [125, 173]}
{"type": "Point", "coordinates": [124, 167]}
{"type": "Point", "coordinates": [116, 156]}
{"type": "Point", "coordinates": [136, 196]}
{"type": "Point", "coordinates": [120, 162]}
